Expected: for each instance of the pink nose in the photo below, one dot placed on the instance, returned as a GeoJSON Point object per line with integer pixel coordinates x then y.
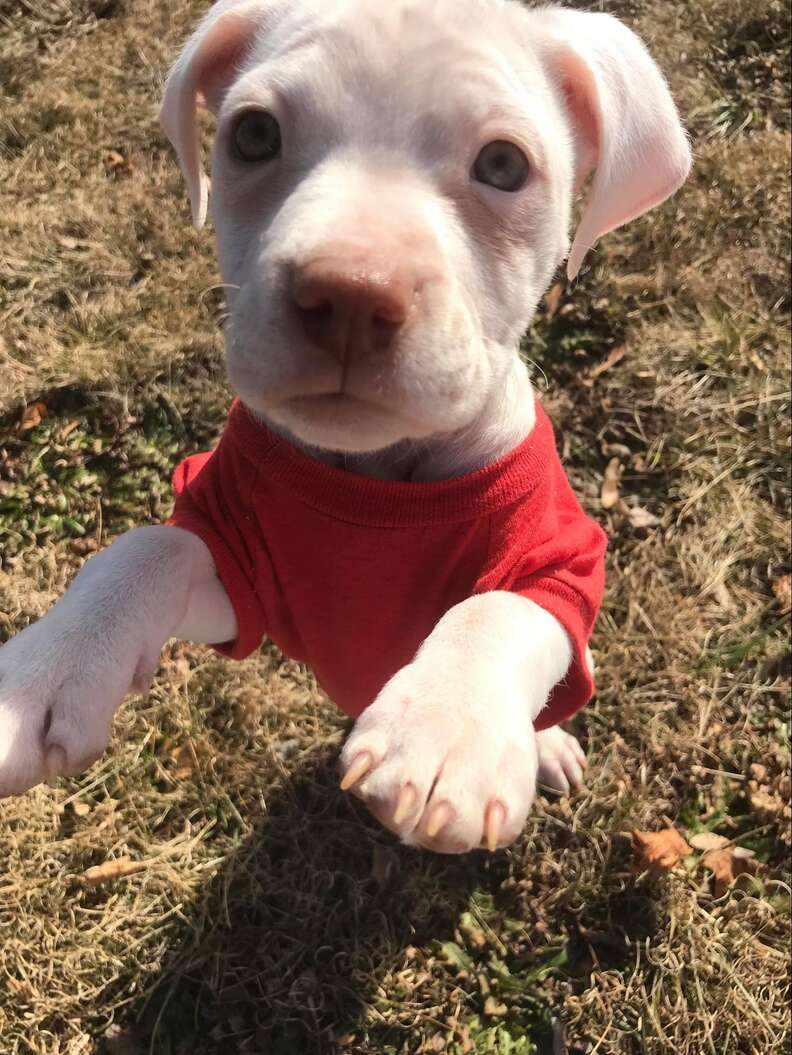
{"type": "Point", "coordinates": [349, 307]}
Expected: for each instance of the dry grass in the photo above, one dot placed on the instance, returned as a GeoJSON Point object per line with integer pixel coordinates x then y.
{"type": "Point", "coordinates": [272, 915]}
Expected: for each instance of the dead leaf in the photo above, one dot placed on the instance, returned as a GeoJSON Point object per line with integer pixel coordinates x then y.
{"type": "Point", "coordinates": [117, 165]}
{"type": "Point", "coordinates": [782, 588]}
{"type": "Point", "coordinates": [720, 592]}
{"type": "Point", "coordinates": [189, 756]}
{"type": "Point", "coordinates": [658, 852]}
{"type": "Point", "coordinates": [640, 517]}
{"type": "Point", "coordinates": [80, 809]}
{"type": "Point", "coordinates": [614, 356]}
{"type": "Point", "coordinates": [116, 869]}
{"type": "Point", "coordinates": [492, 1007]}
{"type": "Point", "coordinates": [616, 450]}
{"type": "Point", "coordinates": [32, 416]}
{"type": "Point", "coordinates": [758, 771]}
{"type": "Point", "coordinates": [609, 495]}
{"type": "Point", "coordinates": [708, 841]}
{"type": "Point", "coordinates": [727, 864]}
{"type": "Point", "coordinates": [186, 759]}
{"type": "Point", "coordinates": [766, 805]}
{"type": "Point", "coordinates": [553, 299]}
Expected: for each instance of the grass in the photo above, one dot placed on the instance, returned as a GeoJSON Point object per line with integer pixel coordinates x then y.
{"type": "Point", "coordinates": [272, 914]}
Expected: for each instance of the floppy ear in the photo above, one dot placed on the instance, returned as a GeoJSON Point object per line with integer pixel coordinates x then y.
{"type": "Point", "coordinates": [202, 72]}
{"type": "Point", "coordinates": [628, 129]}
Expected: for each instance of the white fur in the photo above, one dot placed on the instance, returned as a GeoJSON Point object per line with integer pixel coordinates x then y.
{"type": "Point", "coordinates": [383, 110]}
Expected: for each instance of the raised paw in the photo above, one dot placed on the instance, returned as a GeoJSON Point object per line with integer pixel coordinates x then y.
{"type": "Point", "coordinates": [446, 762]}
{"type": "Point", "coordinates": [561, 760]}
{"type": "Point", "coordinates": [61, 681]}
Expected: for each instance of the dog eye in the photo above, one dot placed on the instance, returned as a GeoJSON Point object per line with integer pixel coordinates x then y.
{"type": "Point", "coordinates": [256, 136]}
{"type": "Point", "coordinates": [502, 165]}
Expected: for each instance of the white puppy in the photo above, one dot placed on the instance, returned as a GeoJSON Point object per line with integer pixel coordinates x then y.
{"type": "Point", "coordinates": [392, 188]}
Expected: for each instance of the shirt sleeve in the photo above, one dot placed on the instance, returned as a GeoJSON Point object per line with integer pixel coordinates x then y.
{"type": "Point", "coordinates": [212, 500]}
{"type": "Point", "coordinates": [570, 588]}
{"type": "Point", "coordinates": [554, 556]}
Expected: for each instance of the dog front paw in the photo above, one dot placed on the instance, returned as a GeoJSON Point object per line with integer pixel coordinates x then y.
{"type": "Point", "coordinates": [561, 760]}
{"type": "Point", "coordinates": [61, 681]}
{"type": "Point", "coordinates": [446, 755]}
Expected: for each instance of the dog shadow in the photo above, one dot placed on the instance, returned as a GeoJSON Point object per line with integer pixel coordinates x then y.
{"type": "Point", "coordinates": [295, 943]}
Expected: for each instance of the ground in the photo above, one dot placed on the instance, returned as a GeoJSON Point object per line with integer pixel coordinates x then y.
{"type": "Point", "coordinates": [268, 913]}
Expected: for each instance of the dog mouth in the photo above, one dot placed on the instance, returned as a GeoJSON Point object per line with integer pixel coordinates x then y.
{"type": "Point", "coordinates": [337, 404]}
{"type": "Point", "coordinates": [339, 421]}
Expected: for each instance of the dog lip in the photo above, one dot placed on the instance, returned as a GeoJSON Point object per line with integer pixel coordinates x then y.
{"type": "Point", "coordinates": [349, 402]}
{"type": "Point", "coordinates": [345, 402]}
{"type": "Point", "coordinates": [332, 398]}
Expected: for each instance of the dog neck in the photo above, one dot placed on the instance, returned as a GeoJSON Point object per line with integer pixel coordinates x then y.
{"type": "Point", "coordinates": [503, 423]}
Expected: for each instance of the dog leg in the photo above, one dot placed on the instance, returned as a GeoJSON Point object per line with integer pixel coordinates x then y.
{"type": "Point", "coordinates": [63, 677]}
{"type": "Point", "coordinates": [447, 756]}
{"type": "Point", "coordinates": [561, 760]}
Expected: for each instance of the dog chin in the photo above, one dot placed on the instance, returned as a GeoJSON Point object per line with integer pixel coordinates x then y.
{"type": "Point", "coordinates": [340, 422]}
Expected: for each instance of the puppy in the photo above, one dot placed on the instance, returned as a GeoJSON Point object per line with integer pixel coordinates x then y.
{"type": "Point", "coordinates": [391, 190]}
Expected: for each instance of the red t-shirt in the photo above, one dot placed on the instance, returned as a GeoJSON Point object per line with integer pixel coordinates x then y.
{"type": "Point", "coordinates": [350, 574]}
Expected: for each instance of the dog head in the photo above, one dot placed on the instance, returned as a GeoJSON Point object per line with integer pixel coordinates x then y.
{"type": "Point", "coordinates": [392, 188]}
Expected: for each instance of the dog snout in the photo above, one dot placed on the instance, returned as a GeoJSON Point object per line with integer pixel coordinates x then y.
{"type": "Point", "coordinates": [350, 307]}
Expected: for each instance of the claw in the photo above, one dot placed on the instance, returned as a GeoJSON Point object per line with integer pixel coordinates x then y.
{"type": "Point", "coordinates": [438, 818]}
{"type": "Point", "coordinates": [494, 817]}
{"type": "Point", "coordinates": [405, 804]}
{"type": "Point", "coordinates": [360, 766]}
{"type": "Point", "coordinates": [54, 764]}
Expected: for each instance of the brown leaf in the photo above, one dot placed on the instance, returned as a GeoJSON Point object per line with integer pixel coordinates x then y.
{"type": "Point", "coordinates": [116, 869]}
{"type": "Point", "coordinates": [658, 852]}
{"type": "Point", "coordinates": [727, 864]}
{"type": "Point", "coordinates": [708, 841]}
{"type": "Point", "coordinates": [758, 771]}
{"type": "Point", "coordinates": [553, 299]}
{"type": "Point", "coordinates": [189, 755]}
{"type": "Point", "coordinates": [117, 165]}
{"type": "Point", "coordinates": [720, 592]}
{"type": "Point", "coordinates": [641, 518]}
{"type": "Point", "coordinates": [186, 760]}
{"type": "Point", "coordinates": [782, 588]}
{"type": "Point", "coordinates": [766, 805]}
{"type": "Point", "coordinates": [614, 356]}
{"type": "Point", "coordinates": [32, 416]}
{"type": "Point", "coordinates": [492, 1007]}
{"type": "Point", "coordinates": [609, 495]}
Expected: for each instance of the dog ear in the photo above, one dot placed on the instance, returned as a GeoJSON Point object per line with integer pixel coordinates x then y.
{"type": "Point", "coordinates": [204, 69]}
{"type": "Point", "coordinates": [627, 127]}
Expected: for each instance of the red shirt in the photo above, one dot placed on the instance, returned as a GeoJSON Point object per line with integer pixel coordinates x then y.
{"type": "Point", "coordinates": [350, 574]}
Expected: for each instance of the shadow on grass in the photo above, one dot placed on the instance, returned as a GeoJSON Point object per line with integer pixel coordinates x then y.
{"type": "Point", "coordinates": [291, 941]}
{"type": "Point", "coordinates": [324, 935]}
